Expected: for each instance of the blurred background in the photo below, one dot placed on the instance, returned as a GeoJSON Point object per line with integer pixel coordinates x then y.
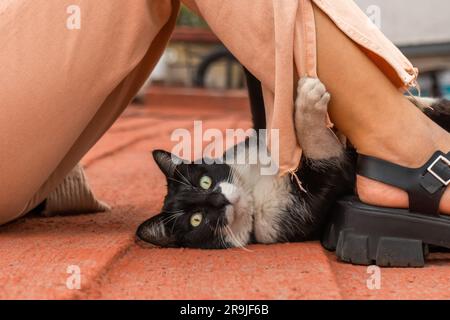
{"type": "Point", "coordinates": [195, 59]}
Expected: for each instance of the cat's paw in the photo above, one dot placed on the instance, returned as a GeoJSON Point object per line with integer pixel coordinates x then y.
{"type": "Point", "coordinates": [312, 99]}
{"type": "Point", "coordinates": [311, 108]}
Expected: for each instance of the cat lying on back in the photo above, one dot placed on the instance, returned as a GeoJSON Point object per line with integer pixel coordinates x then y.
{"type": "Point", "coordinates": [225, 205]}
{"type": "Point", "coordinates": [228, 205]}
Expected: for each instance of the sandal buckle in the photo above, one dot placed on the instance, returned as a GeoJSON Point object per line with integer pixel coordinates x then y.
{"type": "Point", "coordinates": [437, 176]}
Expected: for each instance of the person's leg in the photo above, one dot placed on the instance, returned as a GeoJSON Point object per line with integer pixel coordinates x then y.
{"type": "Point", "coordinates": [62, 87]}
{"type": "Point", "coordinates": [373, 114]}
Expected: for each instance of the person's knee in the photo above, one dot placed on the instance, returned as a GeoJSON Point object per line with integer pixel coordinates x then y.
{"type": "Point", "coordinates": [11, 210]}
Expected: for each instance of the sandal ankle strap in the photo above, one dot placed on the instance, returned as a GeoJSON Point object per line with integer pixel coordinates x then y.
{"type": "Point", "coordinates": [425, 185]}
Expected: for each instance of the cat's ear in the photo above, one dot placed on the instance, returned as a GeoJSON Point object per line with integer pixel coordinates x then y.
{"type": "Point", "coordinates": [155, 232]}
{"type": "Point", "coordinates": [166, 161]}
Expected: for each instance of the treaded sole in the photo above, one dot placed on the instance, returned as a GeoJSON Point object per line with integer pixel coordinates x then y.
{"type": "Point", "coordinates": [366, 235]}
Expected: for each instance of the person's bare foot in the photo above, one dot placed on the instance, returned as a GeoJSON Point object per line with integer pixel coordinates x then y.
{"type": "Point", "coordinates": [379, 194]}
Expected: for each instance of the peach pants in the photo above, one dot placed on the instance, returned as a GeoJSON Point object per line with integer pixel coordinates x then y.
{"type": "Point", "coordinates": [68, 68]}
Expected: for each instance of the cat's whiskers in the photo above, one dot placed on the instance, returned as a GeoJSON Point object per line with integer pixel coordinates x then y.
{"type": "Point", "coordinates": [184, 178]}
{"type": "Point", "coordinates": [229, 175]}
{"type": "Point", "coordinates": [175, 221]}
{"type": "Point", "coordinates": [217, 226]}
{"type": "Point", "coordinates": [236, 240]}
{"type": "Point", "coordinates": [216, 232]}
{"type": "Point", "coordinates": [222, 238]}
{"type": "Point", "coordinates": [169, 219]}
{"type": "Point", "coordinates": [176, 180]}
{"type": "Point", "coordinates": [233, 176]}
{"type": "Point", "coordinates": [172, 216]}
{"type": "Point", "coordinates": [238, 243]}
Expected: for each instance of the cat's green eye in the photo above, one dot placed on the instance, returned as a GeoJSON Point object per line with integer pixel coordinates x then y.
{"type": "Point", "coordinates": [196, 219]}
{"type": "Point", "coordinates": [205, 182]}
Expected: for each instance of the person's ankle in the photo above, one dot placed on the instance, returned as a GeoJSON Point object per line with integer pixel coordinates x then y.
{"type": "Point", "coordinates": [412, 152]}
{"type": "Point", "coordinates": [410, 142]}
{"type": "Point", "coordinates": [407, 156]}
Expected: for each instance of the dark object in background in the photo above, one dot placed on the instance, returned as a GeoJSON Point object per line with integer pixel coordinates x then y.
{"type": "Point", "coordinates": [208, 61]}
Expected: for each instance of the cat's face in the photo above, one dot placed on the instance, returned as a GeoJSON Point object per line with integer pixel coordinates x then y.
{"type": "Point", "coordinates": [205, 207]}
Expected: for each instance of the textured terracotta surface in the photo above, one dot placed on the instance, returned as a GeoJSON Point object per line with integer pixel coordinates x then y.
{"type": "Point", "coordinates": [35, 252]}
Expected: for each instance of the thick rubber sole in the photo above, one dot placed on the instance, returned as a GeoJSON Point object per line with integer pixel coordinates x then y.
{"type": "Point", "coordinates": [367, 235]}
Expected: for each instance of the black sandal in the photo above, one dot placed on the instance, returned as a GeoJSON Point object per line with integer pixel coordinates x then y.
{"type": "Point", "coordinates": [365, 234]}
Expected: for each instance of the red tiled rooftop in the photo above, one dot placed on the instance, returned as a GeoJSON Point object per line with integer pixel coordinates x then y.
{"type": "Point", "coordinates": [36, 251]}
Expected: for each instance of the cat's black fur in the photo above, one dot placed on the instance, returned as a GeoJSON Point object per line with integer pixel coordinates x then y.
{"type": "Point", "coordinates": [440, 113]}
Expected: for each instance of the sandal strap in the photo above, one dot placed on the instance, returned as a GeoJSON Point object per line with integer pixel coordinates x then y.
{"type": "Point", "coordinates": [425, 185]}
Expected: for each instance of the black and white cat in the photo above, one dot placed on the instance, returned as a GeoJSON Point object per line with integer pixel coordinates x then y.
{"type": "Point", "coordinates": [225, 205]}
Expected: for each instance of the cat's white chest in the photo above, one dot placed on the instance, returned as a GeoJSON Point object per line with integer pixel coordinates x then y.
{"type": "Point", "coordinates": [271, 195]}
